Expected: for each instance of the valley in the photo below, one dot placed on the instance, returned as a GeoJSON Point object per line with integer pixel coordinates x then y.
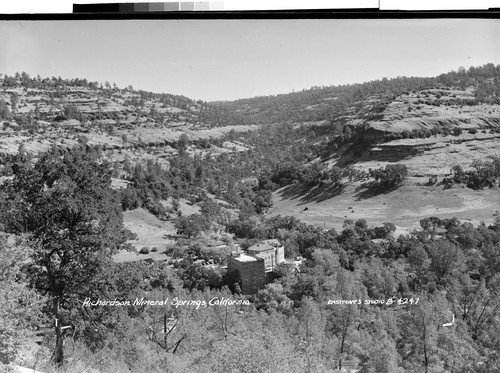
{"type": "Point", "coordinates": [429, 130]}
{"type": "Point", "coordinates": [343, 225]}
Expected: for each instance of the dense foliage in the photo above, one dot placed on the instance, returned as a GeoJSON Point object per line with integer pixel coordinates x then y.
{"type": "Point", "coordinates": [400, 292]}
{"type": "Point", "coordinates": [243, 179]}
{"type": "Point", "coordinates": [428, 301]}
{"type": "Point", "coordinates": [71, 219]}
{"type": "Point", "coordinates": [484, 174]}
{"type": "Point", "coordinates": [390, 176]}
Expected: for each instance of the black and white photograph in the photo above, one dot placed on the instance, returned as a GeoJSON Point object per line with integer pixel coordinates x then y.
{"type": "Point", "coordinates": [258, 194]}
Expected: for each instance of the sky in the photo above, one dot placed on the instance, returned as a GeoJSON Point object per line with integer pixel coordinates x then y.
{"type": "Point", "coordinates": [229, 59]}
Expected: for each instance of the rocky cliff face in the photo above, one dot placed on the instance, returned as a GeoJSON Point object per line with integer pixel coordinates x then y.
{"type": "Point", "coordinates": [428, 135]}
{"type": "Point", "coordinates": [400, 150]}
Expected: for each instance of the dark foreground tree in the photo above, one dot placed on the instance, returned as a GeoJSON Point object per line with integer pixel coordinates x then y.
{"type": "Point", "coordinates": [72, 219]}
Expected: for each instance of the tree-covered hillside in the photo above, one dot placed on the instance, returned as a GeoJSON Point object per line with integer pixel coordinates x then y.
{"type": "Point", "coordinates": [320, 103]}
{"type": "Point", "coordinates": [78, 159]}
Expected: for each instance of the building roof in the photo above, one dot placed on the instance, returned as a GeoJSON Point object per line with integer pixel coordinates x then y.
{"type": "Point", "coordinates": [263, 246]}
{"type": "Point", "coordinates": [245, 258]}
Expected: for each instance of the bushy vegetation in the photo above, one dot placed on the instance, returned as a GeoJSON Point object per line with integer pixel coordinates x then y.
{"type": "Point", "coordinates": [334, 101]}
{"type": "Point", "coordinates": [484, 174]}
{"type": "Point", "coordinates": [64, 208]}
{"type": "Point", "coordinates": [245, 180]}
{"type": "Point", "coordinates": [424, 278]}
{"type": "Point", "coordinates": [65, 222]}
{"type": "Point", "coordinates": [56, 88]}
{"type": "Point", "coordinates": [391, 176]}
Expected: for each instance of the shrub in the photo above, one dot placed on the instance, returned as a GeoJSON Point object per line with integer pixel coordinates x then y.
{"type": "Point", "coordinates": [336, 175]}
{"type": "Point", "coordinates": [393, 175]}
{"type": "Point", "coordinates": [154, 249]}
{"type": "Point", "coordinates": [191, 226]}
{"type": "Point", "coordinates": [144, 250]}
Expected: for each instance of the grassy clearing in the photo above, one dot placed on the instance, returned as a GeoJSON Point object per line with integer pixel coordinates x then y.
{"type": "Point", "coordinates": [150, 232]}
{"type": "Point", "coordinates": [404, 207]}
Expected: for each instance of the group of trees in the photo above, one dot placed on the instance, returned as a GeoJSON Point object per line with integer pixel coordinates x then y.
{"type": "Point", "coordinates": [71, 220]}
{"type": "Point", "coordinates": [228, 176]}
{"type": "Point", "coordinates": [319, 103]}
{"type": "Point", "coordinates": [483, 78]}
{"type": "Point", "coordinates": [196, 111]}
{"type": "Point", "coordinates": [68, 223]}
{"type": "Point", "coordinates": [4, 110]}
{"type": "Point", "coordinates": [68, 259]}
{"type": "Point", "coordinates": [391, 176]}
{"type": "Point", "coordinates": [447, 268]}
{"type": "Point", "coordinates": [484, 174]}
{"type": "Point", "coordinates": [323, 103]}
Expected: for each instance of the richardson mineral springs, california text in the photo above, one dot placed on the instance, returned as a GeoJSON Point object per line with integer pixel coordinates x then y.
{"type": "Point", "coordinates": [176, 302]}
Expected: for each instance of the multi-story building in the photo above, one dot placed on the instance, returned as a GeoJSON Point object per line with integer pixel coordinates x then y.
{"type": "Point", "coordinates": [250, 271]}
{"type": "Point", "coordinates": [271, 251]}
{"type": "Point", "coordinates": [253, 267]}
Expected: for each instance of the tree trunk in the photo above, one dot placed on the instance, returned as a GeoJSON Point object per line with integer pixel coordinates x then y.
{"type": "Point", "coordinates": [345, 326]}
{"type": "Point", "coordinates": [165, 334]}
{"type": "Point", "coordinates": [426, 357]}
{"type": "Point", "coordinates": [59, 350]}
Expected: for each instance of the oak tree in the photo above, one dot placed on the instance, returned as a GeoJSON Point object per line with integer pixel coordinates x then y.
{"type": "Point", "coordinates": [72, 220]}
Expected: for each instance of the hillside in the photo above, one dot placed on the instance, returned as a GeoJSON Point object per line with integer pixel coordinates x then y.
{"type": "Point", "coordinates": [134, 230]}
{"type": "Point", "coordinates": [429, 125]}
{"type": "Point", "coordinates": [426, 135]}
{"type": "Point", "coordinates": [39, 113]}
{"type": "Point", "coordinates": [429, 130]}
{"type": "Point", "coordinates": [404, 207]}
